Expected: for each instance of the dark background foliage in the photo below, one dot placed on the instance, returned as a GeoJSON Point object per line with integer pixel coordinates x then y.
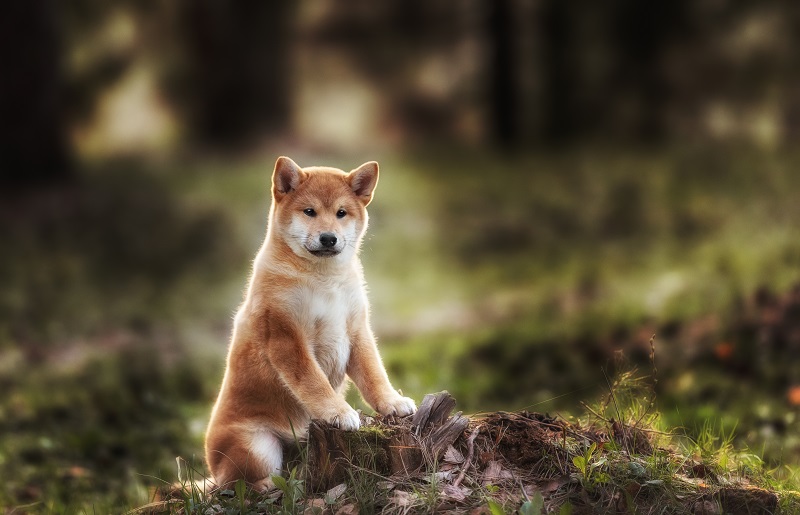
{"type": "Point", "coordinates": [560, 181]}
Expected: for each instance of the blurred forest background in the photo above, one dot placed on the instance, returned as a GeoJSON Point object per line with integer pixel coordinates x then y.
{"type": "Point", "coordinates": [560, 181]}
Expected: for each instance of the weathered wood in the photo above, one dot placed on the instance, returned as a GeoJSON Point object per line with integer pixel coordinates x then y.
{"type": "Point", "coordinates": [442, 437]}
{"type": "Point", "coordinates": [334, 452]}
{"type": "Point", "coordinates": [405, 455]}
{"type": "Point", "coordinates": [433, 411]}
{"type": "Point", "coordinates": [399, 448]}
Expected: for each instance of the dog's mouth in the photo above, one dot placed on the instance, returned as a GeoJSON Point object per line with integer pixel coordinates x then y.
{"type": "Point", "coordinates": [324, 252]}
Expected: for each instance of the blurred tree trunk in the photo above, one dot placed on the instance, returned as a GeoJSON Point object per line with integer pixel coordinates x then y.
{"type": "Point", "coordinates": [557, 87]}
{"type": "Point", "coordinates": [237, 80]}
{"type": "Point", "coordinates": [504, 81]}
{"type": "Point", "coordinates": [33, 147]}
{"type": "Point", "coordinates": [643, 32]}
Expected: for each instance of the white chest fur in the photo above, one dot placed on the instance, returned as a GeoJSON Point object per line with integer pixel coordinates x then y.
{"type": "Point", "coordinates": [325, 311]}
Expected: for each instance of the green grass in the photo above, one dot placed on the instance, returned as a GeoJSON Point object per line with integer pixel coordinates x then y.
{"type": "Point", "coordinates": [89, 438]}
{"type": "Point", "coordinates": [607, 470]}
{"type": "Point", "coordinates": [488, 276]}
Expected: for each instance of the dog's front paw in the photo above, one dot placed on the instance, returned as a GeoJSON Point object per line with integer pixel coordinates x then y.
{"type": "Point", "coordinates": [397, 405]}
{"type": "Point", "coordinates": [343, 417]}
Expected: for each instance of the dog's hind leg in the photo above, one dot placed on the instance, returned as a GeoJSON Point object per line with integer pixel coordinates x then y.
{"type": "Point", "coordinates": [267, 449]}
{"type": "Point", "coordinates": [251, 455]}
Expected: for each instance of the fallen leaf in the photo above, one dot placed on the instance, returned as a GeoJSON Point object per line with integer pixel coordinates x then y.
{"type": "Point", "coordinates": [633, 488]}
{"type": "Point", "coordinates": [452, 455]}
{"type": "Point", "coordinates": [455, 493]}
{"type": "Point", "coordinates": [402, 498]}
{"type": "Point", "coordinates": [494, 471]}
{"type": "Point", "coordinates": [724, 351]}
{"type": "Point", "coordinates": [334, 493]}
{"type": "Point", "coordinates": [348, 509]}
{"type": "Point", "coordinates": [442, 476]}
{"type": "Point", "coordinates": [315, 506]}
{"type": "Point", "coordinates": [548, 487]}
{"type": "Point", "coordinates": [793, 394]}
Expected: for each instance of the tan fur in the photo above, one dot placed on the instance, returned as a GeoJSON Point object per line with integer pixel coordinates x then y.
{"type": "Point", "coordinates": [303, 325]}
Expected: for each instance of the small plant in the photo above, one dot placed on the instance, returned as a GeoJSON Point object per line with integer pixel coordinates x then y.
{"type": "Point", "coordinates": [587, 467]}
{"type": "Point", "coordinates": [241, 494]}
{"type": "Point", "coordinates": [495, 508]}
{"type": "Point", "coordinates": [363, 485]}
{"type": "Point", "coordinates": [293, 491]}
{"type": "Point", "coordinates": [429, 494]}
{"type": "Point", "coordinates": [714, 444]}
{"type": "Point", "coordinates": [534, 506]}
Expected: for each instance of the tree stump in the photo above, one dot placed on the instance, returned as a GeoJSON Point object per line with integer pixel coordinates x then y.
{"type": "Point", "coordinates": [386, 446]}
{"type": "Point", "coordinates": [523, 456]}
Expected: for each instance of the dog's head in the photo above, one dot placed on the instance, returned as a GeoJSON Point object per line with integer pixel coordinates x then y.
{"type": "Point", "coordinates": [320, 212]}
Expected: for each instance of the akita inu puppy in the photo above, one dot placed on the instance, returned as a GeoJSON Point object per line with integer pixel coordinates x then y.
{"type": "Point", "coordinates": [303, 326]}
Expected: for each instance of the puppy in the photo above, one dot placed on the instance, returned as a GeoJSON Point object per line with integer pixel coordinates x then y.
{"type": "Point", "coordinates": [303, 327]}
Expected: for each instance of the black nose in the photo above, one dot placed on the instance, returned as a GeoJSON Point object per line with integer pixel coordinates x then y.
{"type": "Point", "coordinates": [327, 239]}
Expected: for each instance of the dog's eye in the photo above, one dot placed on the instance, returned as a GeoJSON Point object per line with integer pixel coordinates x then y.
{"type": "Point", "coordinates": [310, 212]}
{"type": "Point", "coordinates": [341, 213]}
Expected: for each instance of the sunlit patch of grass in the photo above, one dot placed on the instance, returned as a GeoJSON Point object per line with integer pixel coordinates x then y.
{"type": "Point", "coordinates": [648, 464]}
{"type": "Point", "coordinates": [626, 237]}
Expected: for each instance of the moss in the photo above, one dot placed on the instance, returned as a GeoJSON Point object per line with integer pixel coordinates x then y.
{"type": "Point", "coordinates": [376, 431]}
{"type": "Point", "coordinates": [367, 447]}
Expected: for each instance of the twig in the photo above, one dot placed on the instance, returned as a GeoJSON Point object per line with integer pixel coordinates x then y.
{"type": "Point", "coordinates": [655, 378]}
{"type": "Point", "coordinates": [656, 431]}
{"type": "Point", "coordinates": [593, 412]}
{"type": "Point", "coordinates": [653, 359]}
{"type": "Point", "coordinates": [471, 444]}
{"type": "Point", "coordinates": [612, 394]}
{"type": "Point", "coordinates": [555, 427]}
{"type": "Point", "coordinates": [140, 509]}
{"type": "Point", "coordinates": [363, 469]}
{"type": "Point", "coordinates": [23, 507]}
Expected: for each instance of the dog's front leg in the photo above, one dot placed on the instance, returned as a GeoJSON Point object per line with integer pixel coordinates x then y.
{"type": "Point", "coordinates": [304, 378]}
{"type": "Point", "coordinates": [367, 372]}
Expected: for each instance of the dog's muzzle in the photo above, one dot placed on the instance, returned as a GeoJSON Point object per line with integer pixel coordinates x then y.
{"type": "Point", "coordinates": [327, 245]}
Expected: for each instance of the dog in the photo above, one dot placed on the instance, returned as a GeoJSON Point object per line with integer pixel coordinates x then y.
{"type": "Point", "coordinates": [303, 326]}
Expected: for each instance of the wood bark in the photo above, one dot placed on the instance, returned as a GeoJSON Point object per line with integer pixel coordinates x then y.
{"type": "Point", "coordinates": [400, 448]}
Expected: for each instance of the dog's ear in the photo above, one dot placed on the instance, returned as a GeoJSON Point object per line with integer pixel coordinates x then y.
{"type": "Point", "coordinates": [286, 177]}
{"type": "Point", "coordinates": [363, 181]}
